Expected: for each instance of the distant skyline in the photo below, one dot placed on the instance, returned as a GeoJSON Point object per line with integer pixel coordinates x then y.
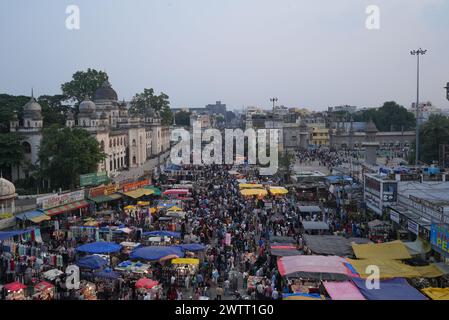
{"type": "Point", "coordinates": [242, 52]}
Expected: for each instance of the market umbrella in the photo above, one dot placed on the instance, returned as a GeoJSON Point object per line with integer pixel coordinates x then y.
{"type": "Point", "coordinates": [162, 233]}
{"type": "Point", "coordinates": [192, 247]}
{"type": "Point", "coordinates": [278, 190]}
{"type": "Point", "coordinates": [174, 208]}
{"type": "Point", "coordinates": [14, 286]}
{"type": "Point", "coordinates": [177, 214]}
{"type": "Point", "coordinates": [91, 262]}
{"type": "Point", "coordinates": [99, 247]}
{"type": "Point", "coordinates": [107, 274]}
{"type": "Point", "coordinates": [146, 283]}
{"type": "Point", "coordinates": [129, 207]}
{"type": "Point", "coordinates": [254, 192]}
{"type": "Point", "coordinates": [43, 285]}
{"type": "Point", "coordinates": [154, 253]}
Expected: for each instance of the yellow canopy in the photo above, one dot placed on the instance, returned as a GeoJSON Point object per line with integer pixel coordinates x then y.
{"type": "Point", "coordinates": [153, 210]}
{"type": "Point", "coordinates": [254, 192]}
{"type": "Point", "coordinates": [186, 261]}
{"type": "Point", "coordinates": [387, 268]}
{"type": "Point", "coordinates": [278, 190]}
{"type": "Point", "coordinates": [430, 271]}
{"type": "Point", "coordinates": [174, 208]}
{"type": "Point", "coordinates": [129, 207]}
{"type": "Point", "coordinates": [250, 185]}
{"type": "Point", "coordinates": [143, 203]}
{"type": "Point", "coordinates": [6, 215]}
{"type": "Point", "coordinates": [388, 250]}
{"type": "Point", "coordinates": [41, 218]}
{"type": "Point", "coordinates": [139, 193]}
{"type": "Point", "coordinates": [437, 293]}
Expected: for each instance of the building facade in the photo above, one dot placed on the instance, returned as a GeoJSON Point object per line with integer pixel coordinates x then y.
{"type": "Point", "coordinates": [128, 141]}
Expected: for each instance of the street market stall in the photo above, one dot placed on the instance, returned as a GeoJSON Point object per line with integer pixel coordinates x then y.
{"type": "Point", "coordinates": [44, 291]}
{"type": "Point", "coordinates": [15, 291]}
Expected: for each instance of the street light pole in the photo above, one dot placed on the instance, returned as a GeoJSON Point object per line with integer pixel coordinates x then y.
{"type": "Point", "coordinates": [274, 100]}
{"type": "Point", "coordinates": [417, 53]}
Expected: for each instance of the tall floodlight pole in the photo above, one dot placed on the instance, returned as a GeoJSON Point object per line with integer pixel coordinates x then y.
{"type": "Point", "coordinates": [274, 100]}
{"type": "Point", "coordinates": [417, 53]}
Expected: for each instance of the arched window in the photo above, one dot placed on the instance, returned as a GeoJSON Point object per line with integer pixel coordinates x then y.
{"type": "Point", "coordinates": [134, 142]}
{"type": "Point", "coordinates": [102, 145]}
{"type": "Point", "coordinates": [114, 143]}
{"type": "Point", "coordinates": [110, 143]}
{"type": "Point", "coordinates": [26, 147]}
{"type": "Point", "coordinates": [134, 160]}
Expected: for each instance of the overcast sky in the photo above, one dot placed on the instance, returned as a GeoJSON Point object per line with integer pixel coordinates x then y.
{"type": "Point", "coordinates": [307, 53]}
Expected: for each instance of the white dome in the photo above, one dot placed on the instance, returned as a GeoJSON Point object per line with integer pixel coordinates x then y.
{"type": "Point", "coordinates": [87, 105]}
{"type": "Point", "coordinates": [7, 189]}
{"type": "Point", "coordinates": [32, 105]}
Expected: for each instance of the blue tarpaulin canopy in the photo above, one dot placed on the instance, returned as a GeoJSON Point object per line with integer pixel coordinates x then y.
{"type": "Point", "coordinates": [192, 247]}
{"type": "Point", "coordinates": [107, 274]}
{"type": "Point", "coordinates": [91, 262]}
{"type": "Point", "coordinates": [4, 235]}
{"type": "Point", "coordinates": [390, 289]}
{"type": "Point", "coordinates": [29, 215]}
{"type": "Point", "coordinates": [173, 167]}
{"type": "Point", "coordinates": [162, 233]}
{"type": "Point", "coordinates": [155, 253]}
{"type": "Point", "coordinates": [99, 247]}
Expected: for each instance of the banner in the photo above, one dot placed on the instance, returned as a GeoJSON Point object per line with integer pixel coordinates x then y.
{"type": "Point", "coordinates": [93, 179]}
{"type": "Point", "coordinates": [439, 237]}
{"type": "Point", "coordinates": [56, 200]}
{"type": "Point", "coordinates": [413, 227]}
{"type": "Point", "coordinates": [394, 216]}
{"type": "Point", "coordinates": [135, 185]}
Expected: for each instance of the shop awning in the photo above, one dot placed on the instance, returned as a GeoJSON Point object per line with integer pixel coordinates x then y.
{"type": "Point", "coordinates": [67, 207]}
{"type": "Point", "coordinates": [157, 191]}
{"type": "Point", "coordinates": [4, 235]}
{"type": "Point", "coordinates": [437, 293]}
{"type": "Point", "coordinates": [186, 261]}
{"type": "Point", "coordinates": [388, 250]}
{"type": "Point", "coordinates": [156, 253]}
{"type": "Point", "coordinates": [254, 192]}
{"type": "Point", "coordinates": [344, 290]}
{"type": "Point", "coordinates": [101, 199]}
{"type": "Point", "coordinates": [250, 185]}
{"type": "Point", "coordinates": [314, 264]}
{"type": "Point", "coordinates": [139, 193]}
{"type": "Point", "coordinates": [315, 225]}
{"type": "Point", "coordinates": [391, 289]}
{"type": "Point", "coordinates": [328, 245]}
{"type": "Point", "coordinates": [388, 268]}
{"type": "Point", "coordinates": [278, 190]}
{"type": "Point", "coordinates": [35, 216]}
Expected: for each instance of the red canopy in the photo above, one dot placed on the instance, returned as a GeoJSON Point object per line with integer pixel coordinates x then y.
{"type": "Point", "coordinates": [14, 286]}
{"type": "Point", "coordinates": [146, 283]}
{"type": "Point", "coordinates": [176, 191]}
{"type": "Point", "coordinates": [43, 285]}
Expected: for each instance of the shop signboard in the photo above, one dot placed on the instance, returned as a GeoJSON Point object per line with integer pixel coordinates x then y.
{"type": "Point", "coordinates": [56, 200]}
{"type": "Point", "coordinates": [135, 185]}
{"type": "Point", "coordinates": [394, 216]}
{"type": "Point", "coordinates": [93, 179]}
{"type": "Point", "coordinates": [413, 227]}
{"type": "Point", "coordinates": [439, 237]}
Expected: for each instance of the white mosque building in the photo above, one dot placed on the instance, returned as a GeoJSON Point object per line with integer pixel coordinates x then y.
{"type": "Point", "coordinates": [127, 141]}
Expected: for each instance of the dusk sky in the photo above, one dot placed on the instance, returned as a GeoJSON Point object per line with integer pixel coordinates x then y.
{"type": "Point", "coordinates": [307, 53]}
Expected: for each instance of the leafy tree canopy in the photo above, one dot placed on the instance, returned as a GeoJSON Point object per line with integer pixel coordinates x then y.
{"type": "Point", "coordinates": [11, 152]}
{"type": "Point", "coordinates": [142, 102]}
{"type": "Point", "coordinates": [8, 105]}
{"type": "Point", "coordinates": [390, 117]}
{"type": "Point", "coordinates": [83, 83]}
{"type": "Point", "coordinates": [67, 153]}
{"type": "Point", "coordinates": [182, 118]}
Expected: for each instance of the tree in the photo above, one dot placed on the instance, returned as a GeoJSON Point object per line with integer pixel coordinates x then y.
{"type": "Point", "coordinates": [67, 153]}
{"type": "Point", "coordinates": [53, 109]}
{"type": "Point", "coordinates": [230, 116]}
{"type": "Point", "coordinates": [182, 118]}
{"type": "Point", "coordinates": [285, 161]}
{"type": "Point", "coordinates": [83, 83]}
{"type": "Point", "coordinates": [11, 152]}
{"type": "Point", "coordinates": [390, 117]}
{"type": "Point", "coordinates": [8, 105]}
{"type": "Point", "coordinates": [433, 133]}
{"type": "Point", "coordinates": [142, 102]}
